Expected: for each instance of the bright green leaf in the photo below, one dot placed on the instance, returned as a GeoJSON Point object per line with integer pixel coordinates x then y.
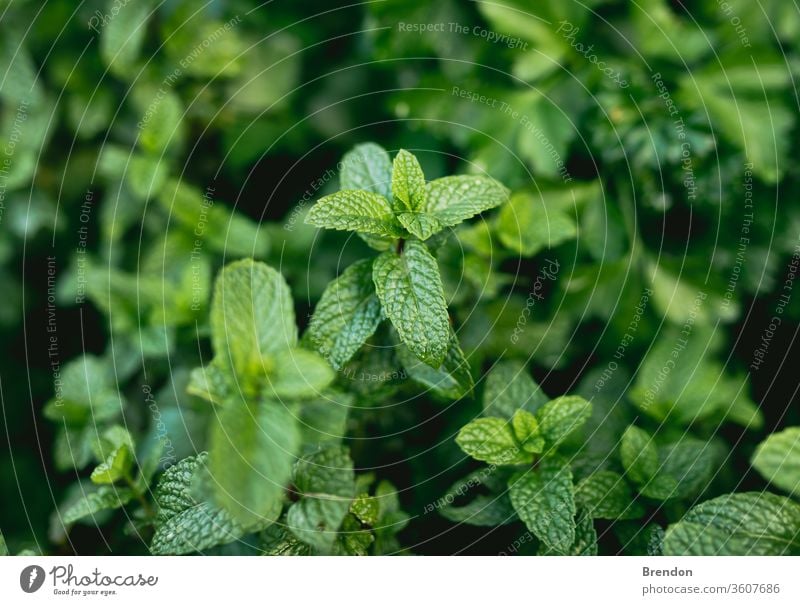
{"type": "Point", "coordinates": [408, 182]}
{"type": "Point", "coordinates": [347, 314]}
{"type": "Point", "coordinates": [355, 210]}
{"type": "Point", "coordinates": [252, 450]}
{"type": "Point", "coordinates": [751, 523]}
{"type": "Point", "coordinates": [491, 440]}
{"type": "Point", "coordinates": [410, 290]}
{"type": "Point", "coordinates": [544, 501]}
{"type": "Point", "coordinates": [777, 458]}
{"type": "Point", "coordinates": [454, 199]}
{"type": "Point", "coordinates": [559, 417]}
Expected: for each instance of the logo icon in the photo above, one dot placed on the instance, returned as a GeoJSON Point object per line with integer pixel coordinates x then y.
{"type": "Point", "coordinates": [31, 578]}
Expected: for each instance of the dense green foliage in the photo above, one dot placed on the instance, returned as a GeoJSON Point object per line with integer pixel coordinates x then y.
{"type": "Point", "coordinates": [551, 309]}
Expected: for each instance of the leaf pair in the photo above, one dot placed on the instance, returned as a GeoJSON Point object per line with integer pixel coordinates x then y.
{"type": "Point", "coordinates": [392, 200]}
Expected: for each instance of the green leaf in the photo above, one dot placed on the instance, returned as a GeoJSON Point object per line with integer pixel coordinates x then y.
{"type": "Point", "coordinates": [526, 225]}
{"type": "Point", "coordinates": [410, 290]}
{"type": "Point", "coordinates": [491, 440]}
{"type": "Point", "coordinates": [21, 81]}
{"type": "Point", "coordinates": [250, 463]}
{"type": "Point", "coordinates": [161, 122]}
{"type": "Point", "coordinates": [420, 224]}
{"type": "Point", "coordinates": [408, 182]}
{"type": "Point", "coordinates": [3, 546]}
{"type": "Point", "coordinates": [452, 379]}
{"type": "Point", "coordinates": [484, 510]}
{"type": "Point", "coordinates": [195, 529]}
{"type": "Point", "coordinates": [84, 393]}
{"type": "Point", "coordinates": [694, 386]}
{"type": "Point", "coordinates": [559, 417]}
{"type": "Point", "coordinates": [751, 523]}
{"type": "Point", "coordinates": [544, 501]}
{"type": "Point", "coordinates": [355, 210]}
{"type": "Point", "coordinates": [347, 314]}
{"type": "Point", "coordinates": [509, 388]}
{"type": "Point", "coordinates": [122, 37]}
{"type": "Point", "coordinates": [367, 166]}
{"type": "Point", "coordinates": [366, 509]}
{"type": "Point", "coordinates": [213, 383]}
{"type": "Point", "coordinates": [326, 483]}
{"type": "Point", "coordinates": [606, 495]}
{"type": "Point", "coordinates": [184, 525]}
{"type": "Point", "coordinates": [251, 316]}
{"type": "Point", "coordinates": [106, 497]}
{"type": "Point", "coordinates": [279, 541]}
{"type": "Point", "coordinates": [454, 199]}
{"type": "Point", "coordinates": [777, 458]}
{"type": "Point", "coordinates": [299, 373]}
{"type": "Point", "coordinates": [324, 419]}
{"type": "Point", "coordinates": [117, 466]}
{"type": "Point", "coordinates": [685, 468]}
{"type": "Point", "coordinates": [639, 455]}
{"type": "Point", "coordinates": [526, 431]}
{"type": "Point", "coordinates": [585, 544]}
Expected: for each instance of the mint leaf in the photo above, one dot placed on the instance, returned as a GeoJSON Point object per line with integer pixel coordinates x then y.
{"type": "Point", "coordinates": [184, 525]}
{"type": "Point", "coordinates": [122, 37]}
{"type": "Point", "coordinates": [324, 419]}
{"type": "Point", "coordinates": [353, 540]}
{"type": "Point", "coordinates": [606, 495]}
{"type": "Point", "coordinates": [491, 440]}
{"type": "Point", "coordinates": [454, 199]}
{"type": "Point", "coordinates": [777, 458]}
{"type": "Point", "coordinates": [484, 510]}
{"type": "Point", "coordinates": [251, 316]}
{"type": "Point", "coordinates": [212, 382]}
{"type": "Point", "coordinates": [367, 166]}
{"type": "Point", "coordinates": [751, 523]}
{"type": "Point", "coordinates": [410, 290]}
{"type": "Point", "coordinates": [366, 509]}
{"type": "Point", "coordinates": [452, 379]}
{"type": "Point", "coordinates": [526, 431]}
{"type": "Point", "coordinates": [326, 483]}
{"type": "Point", "coordinates": [585, 544]}
{"type": "Point", "coordinates": [685, 468]}
{"type": "Point", "coordinates": [87, 393]}
{"type": "Point", "coordinates": [106, 497]}
{"type": "Point", "coordinates": [639, 455]}
{"type": "Point", "coordinates": [298, 373]}
{"type": "Point", "coordinates": [346, 315]}
{"type": "Point", "coordinates": [408, 182]}
{"type": "Point", "coordinates": [559, 417]}
{"type": "Point", "coordinates": [355, 210]}
{"type": "Point", "coordinates": [250, 463]}
{"type": "Point", "coordinates": [117, 466]}
{"type": "Point", "coordinates": [509, 388]}
{"type": "Point", "coordinates": [420, 224]}
{"type": "Point", "coordinates": [279, 541]}
{"type": "Point", "coordinates": [544, 501]}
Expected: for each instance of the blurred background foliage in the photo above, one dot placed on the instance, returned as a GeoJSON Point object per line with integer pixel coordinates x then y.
{"type": "Point", "coordinates": [148, 143]}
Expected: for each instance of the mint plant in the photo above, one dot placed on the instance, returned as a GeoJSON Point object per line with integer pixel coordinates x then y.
{"type": "Point", "coordinates": [283, 415]}
{"type": "Point", "coordinates": [396, 211]}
